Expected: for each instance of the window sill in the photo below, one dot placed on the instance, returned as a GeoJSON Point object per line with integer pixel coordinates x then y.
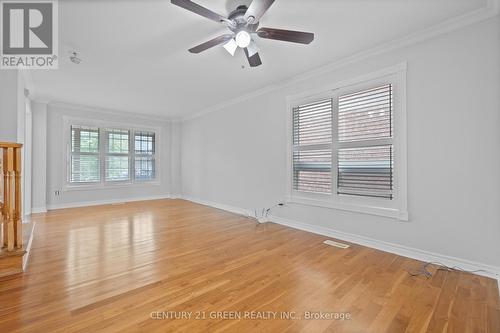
{"type": "Point", "coordinates": [351, 207]}
{"type": "Point", "coordinates": [109, 186]}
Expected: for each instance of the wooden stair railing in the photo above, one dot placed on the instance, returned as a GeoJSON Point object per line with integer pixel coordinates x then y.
{"type": "Point", "coordinates": [10, 207]}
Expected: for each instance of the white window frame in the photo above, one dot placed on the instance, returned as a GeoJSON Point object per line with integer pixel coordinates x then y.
{"type": "Point", "coordinates": [103, 183]}
{"type": "Point", "coordinates": [396, 208]}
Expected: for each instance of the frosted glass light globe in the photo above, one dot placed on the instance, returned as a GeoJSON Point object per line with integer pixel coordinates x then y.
{"type": "Point", "coordinates": [243, 39]}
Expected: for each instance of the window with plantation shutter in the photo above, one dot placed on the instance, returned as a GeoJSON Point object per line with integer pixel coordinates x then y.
{"type": "Point", "coordinates": [102, 156]}
{"type": "Point", "coordinates": [117, 161]}
{"type": "Point", "coordinates": [312, 147]}
{"type": "Point", "coordinates": [144, 146]}
{"type": "Point", "coordinates": [365, 148]}
{"type": "Point", "coordinates": [85, 158]}
{"type": "Point", "coordinates": [348, 146]}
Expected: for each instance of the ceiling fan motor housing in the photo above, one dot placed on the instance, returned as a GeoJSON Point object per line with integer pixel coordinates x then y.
{"type": "Point", "coordinates": [237, 16]}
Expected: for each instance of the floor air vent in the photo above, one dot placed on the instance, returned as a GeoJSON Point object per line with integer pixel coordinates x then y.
{"type": "Point", "coordinates": [336, 244]}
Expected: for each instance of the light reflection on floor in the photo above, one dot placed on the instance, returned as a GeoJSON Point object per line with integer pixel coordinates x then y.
{"type": "Point", "coordinates": [109, 248]}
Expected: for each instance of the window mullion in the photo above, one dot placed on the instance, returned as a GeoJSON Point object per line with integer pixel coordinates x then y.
{"type": "Point", "coordinates": [313, 147]}
{"type": "Point", "coordinates": [335, 141]}
{"type": "Point", "coordinates": [365, 143]}
{"type": "Point", "coordinates": [84, 154]}
{"type": "Point", "coordinates": [102, 153]}
{"type": "Point", "coordinates": [131, 151]}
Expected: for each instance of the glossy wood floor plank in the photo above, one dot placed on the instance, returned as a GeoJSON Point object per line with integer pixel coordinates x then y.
{"type": "Point", "coordinates": [107, 268]}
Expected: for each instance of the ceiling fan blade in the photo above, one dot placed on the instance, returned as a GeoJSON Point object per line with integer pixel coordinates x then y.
{"type": "Point", "coordinates": [286, 35]}
{"type": "Point", "coordinates": [254, 60]}
{"type": "Point", "coordinates": [200, 10]}
{"type": "Point", "coordinates": [257, 9]}
{"type": "Point", "coordinates": [252, 48]}
{"type": "Point", "coordinates": [211, 43]}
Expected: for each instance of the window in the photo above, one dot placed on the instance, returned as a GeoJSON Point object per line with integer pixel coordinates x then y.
{"type": "Point", "coordinates": [85, 158]}
{"type": "Point", "coordinates": [312, 147]}
{"type": "Point", "coordinates": [117, 155]}
{"type": "Point", "coordinates": [365, 154]}
{"type": "Point", "coordinates": [144, 145]}
{"type": "Point", "coordinates": [104, 155]}
{"type": "Point", "coordinates": [348, 147]}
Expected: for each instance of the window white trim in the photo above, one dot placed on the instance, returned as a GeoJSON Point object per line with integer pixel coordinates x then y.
{"type": "Point", "coordinates": [396, 208]}
{"type": "Point", "coordinates": [103, 184]}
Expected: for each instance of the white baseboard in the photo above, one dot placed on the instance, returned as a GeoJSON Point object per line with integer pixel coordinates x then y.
{"type": "Point", "coordinates": [104, 202]}
{"type": "Point", "coordinates": [232, 209]}
{"type": "Point", "coordinates": [405, 251]}
{"type": "Point", "coordinates": [36, 210]}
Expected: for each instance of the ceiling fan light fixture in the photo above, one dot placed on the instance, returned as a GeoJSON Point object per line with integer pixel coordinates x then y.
{"type": "Point", "coordinates": [231, 46]}
{"type": "Point", "coordinates": [243, 24]}
{"type": "Point", "coordinates": [243, 39]}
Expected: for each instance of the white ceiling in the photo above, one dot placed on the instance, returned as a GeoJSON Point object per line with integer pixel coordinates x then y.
{"type": "Point", "coordinates": [135, 54]}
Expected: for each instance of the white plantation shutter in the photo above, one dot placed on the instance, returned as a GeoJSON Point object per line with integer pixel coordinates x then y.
{"type": "Point", "coordinates": [109, 155]}
{"type": "Point", "coordinates": [144, 160]}
{"type": "Point", "coordinates": [365, 147]}
{"type": "Point", "coordinates": [312, 147]}
{"type": "Point", "coordinates": [84, 158]}
{"type": "Point", "coordinates": [117, 160]}
{"type": "Point", "coordinates": [348, 146]}
{"type": "Point", "coordinates": [365, 171]}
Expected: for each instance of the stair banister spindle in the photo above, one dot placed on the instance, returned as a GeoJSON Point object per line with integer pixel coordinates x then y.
{"type": "Point", "coordinates": [11, 208]}
{"type": "Point", "coordinates": [18, 234]}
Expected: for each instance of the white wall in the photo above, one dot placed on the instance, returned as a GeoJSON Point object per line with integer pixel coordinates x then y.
{"type": "Point", "coordinates": [237, 155]}
{"type": "Point", "coordinates": [27, 154]}
{"type": "Point", "coordinates": [39, 158]}
{"type": "Point", "coordinates": [15, 123]}
{"type": "Point", "coordinates": [175, 158]}
{"type": "Point", "coordinates": [8, 105]}
{"type": "Point", "coordinates": [55, 159]}
{"type": "Point", "coordinates": [21, 108]}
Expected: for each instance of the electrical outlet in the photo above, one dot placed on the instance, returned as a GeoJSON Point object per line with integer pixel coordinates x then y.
{"type": "Point", "coordinates": [57, 193]}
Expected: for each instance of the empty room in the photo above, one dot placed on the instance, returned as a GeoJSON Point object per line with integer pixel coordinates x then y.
{"type": "Point", "coordinates": [249, 166]}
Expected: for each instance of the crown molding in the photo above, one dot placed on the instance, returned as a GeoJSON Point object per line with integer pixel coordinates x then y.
{"type": "Point", "coordinates": [80, 107]}
{"type": "Point", "coordinates": [491, 9]}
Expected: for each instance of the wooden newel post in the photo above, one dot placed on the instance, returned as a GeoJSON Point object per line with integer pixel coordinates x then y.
{"type": "Point", "coordinates": [5, 196]}
{"type": "Point", "coordinates": [18, 212]}
{"type": "Point", "coordinates": [9, 199]}
{"type": "Point", "coordinates": [12, 197]}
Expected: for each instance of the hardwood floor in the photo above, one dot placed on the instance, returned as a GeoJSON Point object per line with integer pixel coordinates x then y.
{"type": "Point", "coordinates": [111, 268]}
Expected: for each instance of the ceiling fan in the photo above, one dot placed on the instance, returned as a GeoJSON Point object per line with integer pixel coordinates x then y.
{"type": "Point", "coordinates": [243, 23]}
